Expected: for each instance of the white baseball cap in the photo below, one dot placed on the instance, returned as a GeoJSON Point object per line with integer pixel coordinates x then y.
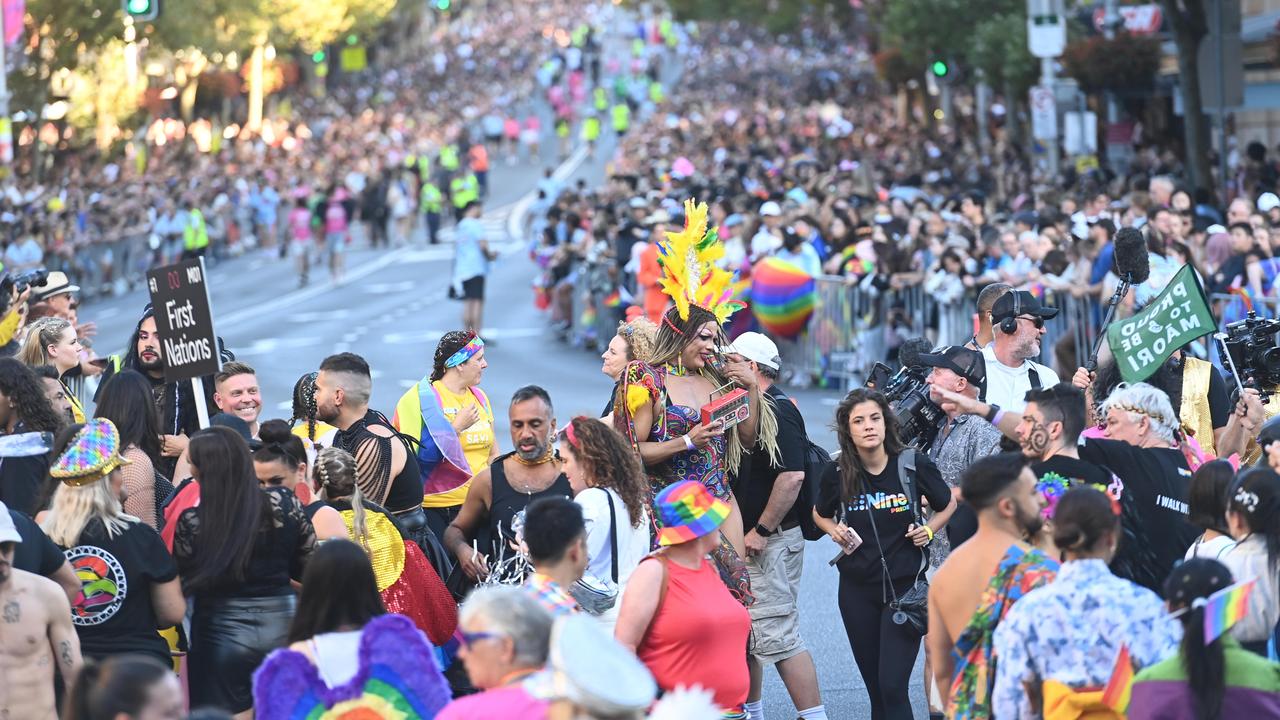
{"type": "Point", "coordinates": [1267, 201]}
{"type": "Point", "coordinates": [8, 531]}
{"type": "Point", "coordinates": [757, 348]}
{"type": "Point", "coordinates": [770, 208]}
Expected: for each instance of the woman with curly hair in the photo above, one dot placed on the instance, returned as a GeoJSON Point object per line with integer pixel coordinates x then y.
{"type": "Point", "coordinates": [450, 417]}
{"type": "Point", "coordinates": [25, 417]}
{"type": "Point", "coordinates": [606, 480]}
{"type": "Point", "coordinates": [634, 341]}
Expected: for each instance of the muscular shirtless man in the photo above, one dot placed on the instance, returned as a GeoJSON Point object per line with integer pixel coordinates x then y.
{"type": "Point", "coordinates": [35, 633]}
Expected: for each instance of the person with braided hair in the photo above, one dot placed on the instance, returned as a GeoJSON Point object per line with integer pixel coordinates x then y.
{"type": "Point", "coordinates": [315, 434]}
{"type": "Point", "coordinates": [452, 420]}
{"type": "Point", "coordinates": [406, 580]}
{"type": "Point", "coordinates": [281, 460]}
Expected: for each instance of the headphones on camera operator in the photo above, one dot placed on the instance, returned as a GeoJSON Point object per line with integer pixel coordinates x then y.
{"type": "Point", "coordinates": [1009, 326]}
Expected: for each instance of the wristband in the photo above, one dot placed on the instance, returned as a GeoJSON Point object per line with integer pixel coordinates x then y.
{"type": "Point", "coordinates": [689, 443]}
{"type": "Point", "coordinates": [929, 531]}
{"type": "Point", "coordinates": [993, 411]}
{"type": "Point", "coordinates": [999, 417]}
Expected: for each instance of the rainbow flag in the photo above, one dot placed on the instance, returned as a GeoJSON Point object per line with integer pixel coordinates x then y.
{"type": "Point", "coordinates": [1225, 608]}
{"type": "Point", "coordinates": [782, 297]}
{"type": "Point", "coordinates": [1116, 694]}
{"type": "Point", "coordinates": [613, 299]}
{"type": "Point", "coordinates": [1245, 296]}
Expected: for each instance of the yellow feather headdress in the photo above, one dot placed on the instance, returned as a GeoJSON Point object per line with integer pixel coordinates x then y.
{"type": "Point", "coordinates": [689, 273]}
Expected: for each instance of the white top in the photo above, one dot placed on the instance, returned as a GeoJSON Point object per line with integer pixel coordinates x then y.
{"type": "Point", "coordinates": [1248, 560]}
{"type": "Point", "coordinates": [1007, 387]}
{"type": "Point", "coordinates": [633, 542]}
{"type": "Point", "coordinates": [336, 656]}
{"type": "Point", "coordinates": [1212, 549]}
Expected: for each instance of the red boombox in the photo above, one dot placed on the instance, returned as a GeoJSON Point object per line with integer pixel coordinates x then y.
{"type": "Point", "coordinates": [731, 408]}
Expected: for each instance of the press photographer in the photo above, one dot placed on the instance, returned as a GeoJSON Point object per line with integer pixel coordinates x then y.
{"type": "Point", "coordinates": [907, 391]}
{"type": "Point", "coordinates": [14, 291]}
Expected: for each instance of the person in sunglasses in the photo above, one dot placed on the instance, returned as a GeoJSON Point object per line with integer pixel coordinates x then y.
{"type": "Point", "coordinates": [1017, 322]}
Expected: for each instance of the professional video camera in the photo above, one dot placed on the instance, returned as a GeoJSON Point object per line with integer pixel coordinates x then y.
{"type": "Point", "coordinates": [1251, 345]}
{"type": "Point", "coordinates": [919, 417]}
{"type": "Point", "coordinates": [20, 282]}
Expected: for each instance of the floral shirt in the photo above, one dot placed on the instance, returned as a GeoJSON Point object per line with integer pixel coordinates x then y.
{"type": "Point", "coordinates": [1020, 571]}
{"type": "Point", "coordinates": [551, 595]}
{"type": "Point", "coordinates": [1071, 631]}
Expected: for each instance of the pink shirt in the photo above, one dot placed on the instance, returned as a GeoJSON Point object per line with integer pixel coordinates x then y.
{"type": "Point", "coordinates": [512, 701]}
{"type": "Point", "coordinates": [335, 218]}
{"type": "Point", "coordinates": [300, 224]}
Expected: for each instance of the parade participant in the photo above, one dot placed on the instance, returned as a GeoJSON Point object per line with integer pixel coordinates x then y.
{"type": "Point", "coordinates": [125, 400]}
{"type": "Point", "coordinates": [489, 522]}
{"type": "Point", "coordinates": [282, 461]}
{"type": "Point", "coordinates": [871, 496]}
{"type": "Point", "coordinates": [606, 480]}
{"type": "Point", "coordinates": [408, 583]}
{"type": "Point", "coordinates": [386, 469]}
{"type": "Point", "coordinates": [313, 432]}
{"type": "Point", "coordinates": [175, 402]}
{"type": "Point", "coordinates": [450, 417]}
{"type": "Point", "coordinates": [1253, 516]}
{"type": "Point", "coordinates": [130, 583]}
{"type": "Point", "coordinates": [1207, 509]}
{"type": "Point", "coordinates": [658, 405]}
{"type": "Point", "coordinates": [236, 392]}
{"type": "Point", "coordinates": [677, 615]}
{"type": "Point", "coordinates": [301, 238]}
{"type": "Point", "coordinates": [339, 635]}
{"type": "Point", "coordinates": [590, 675]}
{"type": "Point", "coordinates": [766, 489]}
{"type": "Point", "coordinates": [1204, 680]}
{"type": "Point", "coordinates": [556, 537]}
{"type": "Point", "coordinates": [37, 554]}
{"type": "Point", "coordinates": [973, 591]}
{"type": "Point", "coordinates": [56, 393]}
{"type": "Point", "coordinates": [471, 263]}
{"type": "Point", "coordinates": [506, 635]}
{"type": "Point", "coordinates": [28, 423]}
{"type": "Point", "coordinates": [52, 341]}
{"type": "Point", "coordinates": [236, 575]}
{"type": "Point", "coordinates": [1057, 646]}
{"type": "Point", "coordinates": [36, 636]}
{"type": "Point", "coordinates": [633, 341]}
{"type": "Point", "coordinates": [962, 440]}
{"type": "Point", "coordinates": [1048, 432]}
{"type": "Point", "coordinates": [1142, 450]}
{"type": "Point", "coordinates": [132, 687]}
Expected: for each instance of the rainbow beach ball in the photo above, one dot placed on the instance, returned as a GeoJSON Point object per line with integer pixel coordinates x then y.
{"type": "Point", "coordinates": [782, 297]}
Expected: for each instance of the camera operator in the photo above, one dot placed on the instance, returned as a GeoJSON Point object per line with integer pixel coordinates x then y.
{"type": "Point", "coordinates": [962, 439]}
{"type": "Point", "coordinates": [867, 506]}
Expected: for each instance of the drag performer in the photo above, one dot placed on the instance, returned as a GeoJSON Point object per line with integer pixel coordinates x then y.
{"type": "Point", "coordinates": [658, 404]}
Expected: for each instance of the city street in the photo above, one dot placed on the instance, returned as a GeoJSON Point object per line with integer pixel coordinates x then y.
{"type": "Point", "coordinates": [393, 308]}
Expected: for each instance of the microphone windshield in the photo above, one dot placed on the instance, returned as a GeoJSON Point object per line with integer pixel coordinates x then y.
{"type": "Point", "coordinates": [911, 349]}
{"type": "Point", "coordinates": [1131, 258]}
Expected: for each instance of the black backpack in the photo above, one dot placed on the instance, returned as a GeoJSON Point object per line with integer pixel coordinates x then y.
{"type": "Point", "coordinates": [816, 461]}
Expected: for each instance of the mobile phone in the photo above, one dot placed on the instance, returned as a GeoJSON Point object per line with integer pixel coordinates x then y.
{"type": "Point", "coordinates": [855, 541]}
{"type": "Point", "coordinates": [100, 362]}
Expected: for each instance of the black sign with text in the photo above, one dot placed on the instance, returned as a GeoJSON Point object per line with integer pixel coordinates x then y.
{"type": "Point", "coordinates": [184, 320]}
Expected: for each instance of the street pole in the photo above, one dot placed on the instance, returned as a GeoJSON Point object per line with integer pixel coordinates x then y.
{"type": "Point", "coordinates": [1049, 80]}
{"type": "Point", "coordinates": [1111, 20]}
{"type": "Point", "coordinates": [1219, 39]}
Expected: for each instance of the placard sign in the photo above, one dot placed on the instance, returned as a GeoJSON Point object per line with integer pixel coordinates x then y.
{"type": "Point", "coordinates": [184, 320]}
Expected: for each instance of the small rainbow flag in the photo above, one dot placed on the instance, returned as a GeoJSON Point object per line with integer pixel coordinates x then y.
{"type": "Point", "coordinates": [1225, 608]}
{"type": "Point", "coordinates": [1245, 296]}
{"type": "Point", "coordinates": [1116, 694]}
{"type": "Point", "coordinates": [613, 300]}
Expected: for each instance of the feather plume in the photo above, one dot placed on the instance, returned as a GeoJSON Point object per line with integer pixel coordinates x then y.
{"type": "Point", "coordinates": [688, 261]}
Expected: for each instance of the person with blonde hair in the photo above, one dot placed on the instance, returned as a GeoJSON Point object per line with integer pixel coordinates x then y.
{"type": "Point", "coordinates": [130, 583]}
{"type": "Point", "coordinates": [634, 341]}
{"type": "Point", "coordinates": [409, 585]}
{"type": "Point", "coordinates": [52, 341]}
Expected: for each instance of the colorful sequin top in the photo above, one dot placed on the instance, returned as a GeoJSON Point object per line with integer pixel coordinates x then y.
{"type": "Point", "coordinates": [643, 384]}
{"type": "Point", "coordinates": [1020, 571]}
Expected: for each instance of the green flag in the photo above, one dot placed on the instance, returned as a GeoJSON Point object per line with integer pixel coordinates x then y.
{"type": "Point", "coordinates": [1181, 314]}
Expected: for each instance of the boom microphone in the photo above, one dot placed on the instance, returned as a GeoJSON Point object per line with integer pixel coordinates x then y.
{"type": "Point", "coordinates": [911, 349]}
{"type": "Point", "coordinates": [1131, 259]}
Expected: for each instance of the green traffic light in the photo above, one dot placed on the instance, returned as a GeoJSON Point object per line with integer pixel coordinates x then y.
{"type": "Point", "coordinates": [138, 7]}
{"type": "Point", "coordinates": [442, 4]}
{"type": "Point", "coordinates": [940, 68]}
{"type": "Point", "coordinates": [317, 56]}
{"type": "Point", "coordinates": [352, 39]}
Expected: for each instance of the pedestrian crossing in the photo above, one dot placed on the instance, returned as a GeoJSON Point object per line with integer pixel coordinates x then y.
{"type": "Point", "coordinates": [495, 227]}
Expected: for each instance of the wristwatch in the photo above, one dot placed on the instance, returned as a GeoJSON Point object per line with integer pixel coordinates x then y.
{"type": "Point", "coordinates": [763, 531]}
{"type": "Point", "coordinates": [992, 411]}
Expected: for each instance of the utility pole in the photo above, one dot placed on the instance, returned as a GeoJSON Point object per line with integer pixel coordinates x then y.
{"type": "Point", "coordinates": [1053, 152]}
{"type": "Point", "coordinates": [1110, 21]}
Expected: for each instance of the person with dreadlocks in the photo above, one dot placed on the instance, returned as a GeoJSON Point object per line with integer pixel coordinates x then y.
{"type": "Point", "coordinates": [657, 407]}
{"type": "Point", "coordinates": [452, 420]}
{"type": "Point", "coordinates": [406, 581]}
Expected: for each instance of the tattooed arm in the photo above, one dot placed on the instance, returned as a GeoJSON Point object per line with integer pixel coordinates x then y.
{"type": "Point", "coordinates": [62, 634]}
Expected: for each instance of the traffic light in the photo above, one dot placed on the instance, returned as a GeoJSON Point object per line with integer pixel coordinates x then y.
{"type": "Point", "coordinates": [317, 57]}
{"type": "Point", "coordinates": [940, 69]}
{"type": "Point", "coordinates": [443, 5]}
{"type": "Point", "coordinates": [144, 10]}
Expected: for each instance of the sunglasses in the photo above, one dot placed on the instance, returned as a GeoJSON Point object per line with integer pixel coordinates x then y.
{"type": "Point", "coordinates": [1034, 320]}
{"type": "Point", "coordinates": [469, 639]}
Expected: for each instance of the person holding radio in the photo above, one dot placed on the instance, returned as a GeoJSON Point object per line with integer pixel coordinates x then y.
{"type": "Point", "coordinates": [869, 502]}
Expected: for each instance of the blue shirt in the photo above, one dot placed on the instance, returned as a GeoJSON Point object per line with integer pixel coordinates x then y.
{"type": "Point", "coordinates": [1071, 631]}
{"type": "Point", "coordinates": [469, 259]}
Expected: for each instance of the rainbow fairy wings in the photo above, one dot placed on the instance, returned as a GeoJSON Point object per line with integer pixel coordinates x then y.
{"type": "Point", "coordinates": [689, 273]}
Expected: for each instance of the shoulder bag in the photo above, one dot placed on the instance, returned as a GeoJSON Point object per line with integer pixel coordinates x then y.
{"type": "Point", "coordinates": [913, 605]}
{"type": "Point", "coordinates": [595, 595]}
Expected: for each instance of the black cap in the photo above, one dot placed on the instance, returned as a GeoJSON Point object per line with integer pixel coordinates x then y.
{"type": "Point", "coordinates": [968, 364]}
{"type": "Point", "coordinates": [1017, 303]}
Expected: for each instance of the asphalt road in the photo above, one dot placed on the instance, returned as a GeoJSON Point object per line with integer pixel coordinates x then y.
{"type": "Point", "coordinates": [392, 309]}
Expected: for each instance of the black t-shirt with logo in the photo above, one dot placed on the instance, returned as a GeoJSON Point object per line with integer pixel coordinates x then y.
{"type": "Point", "coordinates": [1153, 499]}
{"type": "Point", "coordinates": [754, 484]}
{"type": "Point", "coordinates": [36, 553]}
{"type": "Point", "coordinates": [1073, 470]}
{"type": "Point", "coordinates": [893, 514]}
{"type": "Point", "coordinates": [113, 613]}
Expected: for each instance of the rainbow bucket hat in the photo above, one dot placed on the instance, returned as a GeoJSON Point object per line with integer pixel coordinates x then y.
{"type": "Point", "coordinates": [688, 511]}
{"type": "Point", "coordinates": [92, 454]}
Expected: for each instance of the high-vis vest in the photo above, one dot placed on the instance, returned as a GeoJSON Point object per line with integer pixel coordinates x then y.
{"type": "Point", "coordinates": [449, 157]}
{"type": "Point", "coordinates": [601, 98]}
{"type": "Point", "coordinates": [621, 117]}
{"type": "Point", "coordinates": [195, 235]}
{"type": "Point", "coordinates": [463, 189]}
{"type": "Point", "coordinates": [430, 200]}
